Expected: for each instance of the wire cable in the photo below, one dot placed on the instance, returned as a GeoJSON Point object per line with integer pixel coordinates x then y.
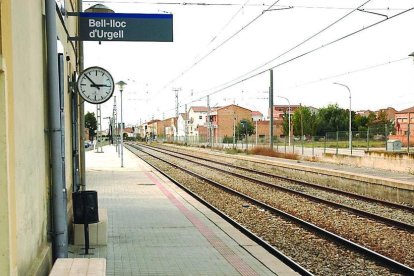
{"type": "Point", "coordinates": [325, 78]}
{"type": "Point", "coordinates": [344, 74]}
{"type": "Point", "coordinates": [230, 4]}
{"type": "Point", "coordinates": [221, 44]}
{"type": "Point", "coordinates": [234, 82]}
{"type": "Point", "coordinates": [301, 43]}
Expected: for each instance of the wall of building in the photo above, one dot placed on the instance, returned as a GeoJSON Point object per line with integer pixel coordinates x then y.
{"type": "Point", "coordinates": [25, 216]}
{"type": "Point", "coordinates": [226, 118]}
{"type": "Point", "coordinates": [8, 257]}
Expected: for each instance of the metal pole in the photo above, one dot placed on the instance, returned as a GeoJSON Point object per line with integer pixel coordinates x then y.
{"type": "Point", "coordinates": [234, 129]}
{"type": "Point", "coordinates": [82, 116]}
{"type": "Point", "coordinates": [288, 115]}
{"type": "Point", "coordinates": [209, 121]}
{"type": "Point", "coordinates": [271, 109]}
{"type": "Point", "coordinates": [256, 133]}
{"type": "Point", "coordinates": [177, 114]}
{"type": "Point", "coordinates": [289, 122]}
{"type": "Point", "coordinates": [408, 134]}
{"type": "Point", "coordinates": [301, 126]}
{"type": "Point", "coordinates": [60, 234]}
{"type": "Point", "coordinates": [247, 138]}
{"type": "Point", "coordinates": [122, 135]}
{"type": "Point", "coordinates": [350, 115]}
{"type": "Point", "coordinates": [185, 125]}
{"type": "Point", "coordinates": [337, 141]}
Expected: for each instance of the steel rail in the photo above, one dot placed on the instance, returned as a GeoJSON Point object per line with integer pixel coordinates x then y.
{"type": "Point", "coordinates": [301, 182]}
{"type": "Point", "coordinates": [369, 215]}
{"type": "Point", "coordinates": [271, 249]}
{"type": "Point", "coordinates": [356, 247]}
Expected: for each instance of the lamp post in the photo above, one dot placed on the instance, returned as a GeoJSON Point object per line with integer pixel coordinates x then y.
{"type": "Point", "coordinates": [409, 120]}
{"type": "Point", "coordinates": [121, 85]}
{"type": "Point", "coordinates": [350, 115]}
{"type": "Point", "coordinates": [288, 114]}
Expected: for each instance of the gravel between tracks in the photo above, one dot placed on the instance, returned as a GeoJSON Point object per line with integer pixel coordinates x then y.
{"type": "Point", "coordinates": [320, 256]}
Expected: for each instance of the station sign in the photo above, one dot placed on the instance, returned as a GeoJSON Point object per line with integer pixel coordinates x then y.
{"type": "Point", "coordinates": [125, 27]}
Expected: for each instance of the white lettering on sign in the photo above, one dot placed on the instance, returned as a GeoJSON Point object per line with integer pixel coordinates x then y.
{"type": "Point", "coordinates": [105, 23]}
{"type": "Point", "coordinates": [106, 34]}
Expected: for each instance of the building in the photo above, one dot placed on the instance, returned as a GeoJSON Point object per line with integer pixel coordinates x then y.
{"type": "Point", "coordinates": [154, 129]}
{"type": "Point", "coordinates": [182, 122]}
{"type": "Point", "coordinates": [224, 119]}
{"type": "Point", "coordinates": [197, 118]}
{"type": "Point", "coordinates": [129, 132]}
{"type": "Point", "coordinates": [280, 110]}
{"type": "Point", "coordinates": [257, 116]}
{"type": "Point", "coordinates": [35, 137]}
{"type": "Point", "coordinates": [363, 113]}
{"type": "Point", "coordinates": [170, 126]}
{"type": "Point", "coordinates": [404, 124]}
{"type": "Point", "coordinates": [389, 113]}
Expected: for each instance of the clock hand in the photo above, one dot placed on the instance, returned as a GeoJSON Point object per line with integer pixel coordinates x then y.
{"type": "Point", "coordinates": [93, 83]}
{"type": "Point", "coordinates": [102, 85]}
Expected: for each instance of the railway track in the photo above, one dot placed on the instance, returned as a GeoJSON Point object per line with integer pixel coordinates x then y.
{"type": "Point", "coordinates": [313, 247]}
{"type": "Point", "coordinates": [396, 215]}
{"type": "Point", "coordinates": [275, 171]}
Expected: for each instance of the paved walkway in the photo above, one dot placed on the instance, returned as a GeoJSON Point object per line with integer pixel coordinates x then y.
{"type": "Point", "coordinates": [154, 228]}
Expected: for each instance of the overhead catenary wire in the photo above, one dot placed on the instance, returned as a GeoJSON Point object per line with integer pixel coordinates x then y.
{"type": "Point", "coordinates": [303, 42]}
{"type": "Point", "coordinates": [230, 84]}
{"type": "Point", "coordinates": [221, 44]}
{"type": "Point", "coordinates": [210, 42]}
{"type": "Point", "coordinates": [347, 73]}
{"type": "Point", "coordinates": [234, 82]}
{"type": "Point", "coordinates": [224, 4]}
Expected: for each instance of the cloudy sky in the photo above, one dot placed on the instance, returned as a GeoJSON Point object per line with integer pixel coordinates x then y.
{"type": "Point", "coordinates": [225, 48]}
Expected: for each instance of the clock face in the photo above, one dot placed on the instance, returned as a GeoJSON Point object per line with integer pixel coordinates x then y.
{"type": "Point", "coordinates": [95, 85]}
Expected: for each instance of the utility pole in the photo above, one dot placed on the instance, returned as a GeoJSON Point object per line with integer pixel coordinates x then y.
{"type": "Point", "coordinates": [115, 116]}
{"type": "Point", "coordinates": [208, 120]}
{"type": "Point", "coordinates": [185, 125]}
{"type": "Point", "coordinates": [271, 108]}
{"type": "Point", "coordinates": [301, 126]}
{"type": "Point", "coordinates": [176, 110]}
{"type": "Point", "coordinates": [99, 129]}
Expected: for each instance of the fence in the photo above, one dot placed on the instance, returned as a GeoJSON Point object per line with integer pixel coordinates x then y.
{"type": "Point", "coordinates": [333, 142]}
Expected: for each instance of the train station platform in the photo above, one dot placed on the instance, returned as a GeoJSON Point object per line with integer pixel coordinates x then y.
{"type": "Point", "coordinates": [155, 228]}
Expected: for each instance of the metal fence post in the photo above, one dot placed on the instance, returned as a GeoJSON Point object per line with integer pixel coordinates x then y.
{"type": "Point", "coordinates": [313, 146]}
{"type": "Point", "coordinates": [408, 137]}
{"type": "Point", "coordinates": [386, 137]}
{"type": "Point", "coordinates": [301, 139]}
{"type": "Point", "coordinates": [324, 145]}
{"type": "Point", "coordinates": [337, 142]}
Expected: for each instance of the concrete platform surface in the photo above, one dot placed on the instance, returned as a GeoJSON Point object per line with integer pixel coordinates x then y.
{"type": "Point", "coordinates": [155, 228]}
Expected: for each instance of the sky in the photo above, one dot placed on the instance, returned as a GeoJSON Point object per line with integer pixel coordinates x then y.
{"type": "Point", "coordinates": [225, 48]}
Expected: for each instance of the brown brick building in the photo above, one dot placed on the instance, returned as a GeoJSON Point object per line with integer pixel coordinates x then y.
{"type": "Point", "coordinates": [225, 118]}
{"type": "Point", "coordinates": [403, 119]}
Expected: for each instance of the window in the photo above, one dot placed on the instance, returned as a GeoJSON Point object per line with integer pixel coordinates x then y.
{"type": "Point", "coordinates": [200, 117]}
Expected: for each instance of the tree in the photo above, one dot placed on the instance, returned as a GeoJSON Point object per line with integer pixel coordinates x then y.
{"type": "Point", "coordinates": [308, 118]}
{"type": "Point", "coordinates": [285, 124]}
{"type": "Point", "coordinates": [332, 118]}
{"type": "Point", "coordinates": [243, 127]}
{"type": "Point", "coordinates": [360, 122]}
{"type": "Point", "coordinates": [91, 124]}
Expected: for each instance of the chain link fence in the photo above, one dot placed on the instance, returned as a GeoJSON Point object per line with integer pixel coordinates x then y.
{"type": "Point", "coordinates": [374, 138]}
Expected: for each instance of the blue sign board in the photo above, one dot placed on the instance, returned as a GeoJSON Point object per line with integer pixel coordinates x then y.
{"type": "Point", "coordinates": [126, 27]}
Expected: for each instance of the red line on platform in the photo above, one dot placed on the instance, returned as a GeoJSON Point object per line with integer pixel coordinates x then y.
{"type": "Point", "coordinates": [216, 242]}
